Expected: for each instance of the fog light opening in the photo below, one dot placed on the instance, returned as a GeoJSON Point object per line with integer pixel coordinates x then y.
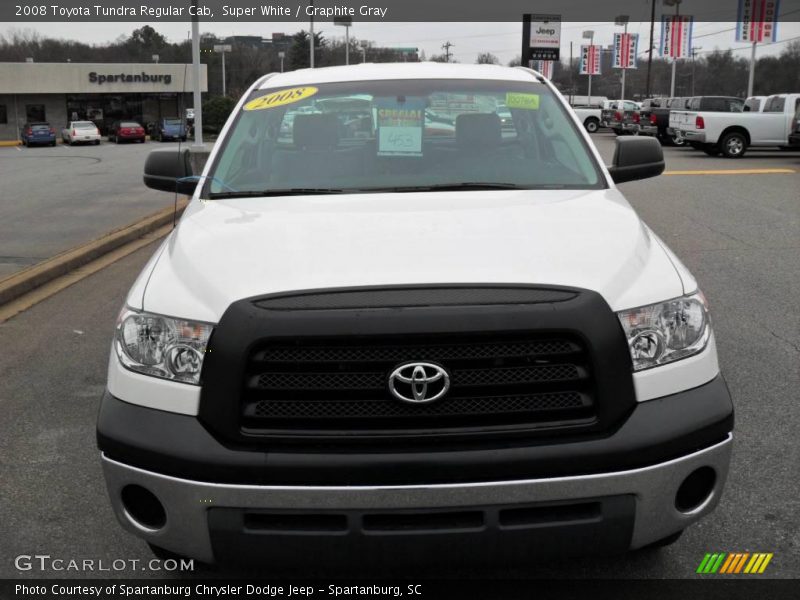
{"type": "Point", "coordinates": [696, 489]}
{"type": "Point", "coordinates": [142, 508]}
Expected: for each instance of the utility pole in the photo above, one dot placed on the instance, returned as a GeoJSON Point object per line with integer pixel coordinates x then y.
{"type": "Point", "coordinates": [650, 47]}
{"type": "Point", "coordinates": [446, 47]}
{"type": "Point", "coordinates": [571, 76]}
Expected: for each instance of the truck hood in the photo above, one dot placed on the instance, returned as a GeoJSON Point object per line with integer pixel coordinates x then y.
{"type": "Point", "coordinates": [226, 250]}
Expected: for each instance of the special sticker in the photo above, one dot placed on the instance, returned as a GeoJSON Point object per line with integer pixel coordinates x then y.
{"type": "Point", "coordinates": [522, 100]}
{"type": "Point", "coordinates": [281, 98]}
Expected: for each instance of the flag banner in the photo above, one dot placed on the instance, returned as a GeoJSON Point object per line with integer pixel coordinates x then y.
{"type": "Point", "coordinates": [757, 21]}
{"type": "Point", "coordinates": [590, 63]}
{"type": "Point", "coordinates": [676, 36]}
{"type": "Point", "coordinates": [626, 49]}
{"type": "Point", "coordinates": [545, 67]}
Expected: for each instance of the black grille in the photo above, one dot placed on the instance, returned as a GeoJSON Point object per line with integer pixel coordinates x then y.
{"type": "Point", "coordinates": [340, 387]}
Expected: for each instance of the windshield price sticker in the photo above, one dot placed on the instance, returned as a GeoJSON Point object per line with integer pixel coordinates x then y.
{"type": "Point", "coordinates": [400, 126]}
{"type": "Point", "coordinates": [520, 100]}
{"type": "Point", "coordinates": [281, 98]}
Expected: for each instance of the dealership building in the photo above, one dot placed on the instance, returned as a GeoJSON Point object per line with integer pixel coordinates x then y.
{"type": "Point", "coordinates": [99, 92]}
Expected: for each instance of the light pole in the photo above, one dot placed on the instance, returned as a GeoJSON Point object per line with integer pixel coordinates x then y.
{"type": "Point", "coordinates": [623, 20]}
{"type": "Point", "coordinates": [198, 99]}
{"type": "Point", "coordinates": [588, 35]}
{"type": "Point", "coordinates": [156, 58]}
{"type": "Point", "coordinates": [222, 49]}
{"type": "Point", "coordinates": [677, 5]}
{"type": "Point", "coordinates": [281, 55]}
{"type": "Point", "coordinates": [345, 22]}
{"type": "Point", "coordinates": [311, 37]}
{"type": "Point", "coordinates": [363, 52]}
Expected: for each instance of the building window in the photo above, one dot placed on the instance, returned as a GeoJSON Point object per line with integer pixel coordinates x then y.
{"type": "Point", "coordinates": [34, 113]}
{"type": "Point", "coordinates": [3, 114]}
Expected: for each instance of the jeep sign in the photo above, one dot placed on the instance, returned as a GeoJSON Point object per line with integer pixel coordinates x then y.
{"type": "Point", "coordinates": [541, 37]}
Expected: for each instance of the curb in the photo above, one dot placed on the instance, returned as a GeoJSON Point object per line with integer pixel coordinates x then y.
{"type": "Point", "coordinates": [10, 143]}
{"type": "Point", "coordinates": [24, 281]}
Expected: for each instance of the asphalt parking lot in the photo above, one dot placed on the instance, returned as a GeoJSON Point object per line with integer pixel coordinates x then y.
{"type": "Point", "coordinates": [56, 198]}
{"type": "Point", "coordinates": [739, 233]}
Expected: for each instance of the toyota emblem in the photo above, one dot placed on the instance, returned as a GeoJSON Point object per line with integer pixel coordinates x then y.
{"type": "Point", "coordinates": [419, 382]}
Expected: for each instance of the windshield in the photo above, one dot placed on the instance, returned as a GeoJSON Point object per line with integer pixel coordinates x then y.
{"type": "Point", "coordinates": [403, 135]}
{"type": "Point", "coordinates": [83, 125]}
{"type": "Point", "coordinates": [175, 122]}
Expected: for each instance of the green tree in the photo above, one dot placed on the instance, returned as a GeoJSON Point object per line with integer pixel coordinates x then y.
{"type": "Point", "coordinates": [216, 111]}
{"type": "Point", "coordinates": [298, 57]}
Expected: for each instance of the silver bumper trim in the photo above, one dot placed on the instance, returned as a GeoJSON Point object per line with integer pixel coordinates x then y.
{"type": "Point", "coordinates": [186, 502]}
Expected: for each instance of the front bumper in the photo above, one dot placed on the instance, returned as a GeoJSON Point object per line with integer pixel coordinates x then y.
{"type": "Point", "coordinates": [602, 494]}
{"type": "Point", "coordinates": [636, 508]}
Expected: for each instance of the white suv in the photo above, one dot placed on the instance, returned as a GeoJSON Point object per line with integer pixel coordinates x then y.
{"type": "Point", "coordinates": [391, 326]}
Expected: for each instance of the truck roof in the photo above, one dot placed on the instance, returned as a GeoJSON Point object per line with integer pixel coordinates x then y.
{"type": "Point", "coordinates": [370, 71]}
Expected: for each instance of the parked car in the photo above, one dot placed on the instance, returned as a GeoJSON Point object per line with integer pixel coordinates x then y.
{"type": "Point", "coordinates": [647, 123]}
{"type": "Point", "coordinates": [722, 104]}
{"type": "Point", "coordinates": [732, 133]}
{"type": "Point", "coordinates": [126, 131]}
{"type": "Point", "coordinates": [754, 103]}
{"type": "Point", "coordinates": [662, 120]}
{"type": "Point", "coordinates": [794, 136]}
{"type": "Point", "coordinates": [619, 116]}
{"type": "Point", "coordinates": [37, 133]}
{"type": "Point", "coordinates": [80, 132]}
{"type": "Point", "coordinates": [169, 129]}
{"type": "Point", "coordinates": [375, 384]}
{"type": "Point", "coordinates": [589, 116]}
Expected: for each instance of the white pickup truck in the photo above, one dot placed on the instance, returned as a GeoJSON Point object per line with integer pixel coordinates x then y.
{"type": "Point", "coordinates": [589, 116]}
{"type": "Point", "coordinates": [732, 133]}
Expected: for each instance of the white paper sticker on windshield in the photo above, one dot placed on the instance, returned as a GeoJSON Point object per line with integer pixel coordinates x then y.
{"type": "Point", "coordinates": [400, 126]}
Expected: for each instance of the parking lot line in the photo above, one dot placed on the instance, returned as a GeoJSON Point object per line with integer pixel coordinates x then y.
{"type": "Point", "coordinates": [732, 172]}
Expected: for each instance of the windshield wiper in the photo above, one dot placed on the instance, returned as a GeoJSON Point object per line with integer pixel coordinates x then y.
{"type": "Point", "coordinates": [447, 187]}
{"type": "Point", "coordinates": [278, 192]}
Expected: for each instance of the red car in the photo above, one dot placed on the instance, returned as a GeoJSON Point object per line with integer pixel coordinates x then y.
{"type": "Point", "coordinates": [126, 131]}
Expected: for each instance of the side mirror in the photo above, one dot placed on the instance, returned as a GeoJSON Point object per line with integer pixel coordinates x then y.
{"type": "Point", "coordinates": [636, 157]}
{"type": "Point", "coordinates": [169, 171]}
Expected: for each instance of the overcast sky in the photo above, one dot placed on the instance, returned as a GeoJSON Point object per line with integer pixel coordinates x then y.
{"type": "Point", "coordinates": [501, 39]}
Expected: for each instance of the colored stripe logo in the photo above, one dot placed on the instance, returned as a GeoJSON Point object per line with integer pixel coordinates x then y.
{"type": "Point", "coordinates": [734, 563]}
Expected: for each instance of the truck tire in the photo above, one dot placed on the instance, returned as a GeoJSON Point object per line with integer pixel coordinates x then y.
{"type": "Point", "coordinates": [591, 124]}
{"type": "Point", "coordinates": [733, 145]}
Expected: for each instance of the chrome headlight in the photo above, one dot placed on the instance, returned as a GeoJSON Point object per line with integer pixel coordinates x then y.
{"type": "Point", "coordinates": [161, 346]}
{"type": "Point", "coordinates": [668, 331]}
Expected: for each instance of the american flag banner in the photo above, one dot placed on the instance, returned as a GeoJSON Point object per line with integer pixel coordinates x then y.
{"type": "Point", "coordinates": [757, 21]}
{"type": "Point", "coordinates": [545, 67]}
{"type": "Point", "coordinates": [676, 36]}
{"type": "Point", "coordinates": [626, 49]}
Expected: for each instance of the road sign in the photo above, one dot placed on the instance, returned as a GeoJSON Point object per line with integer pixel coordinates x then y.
{"type": "Point", "coordinates": [676, 36]}
{"type": "Point", "coordinates": [343, 21]}
{"type": "Point", "coordinates": [757, 21]}
{"type": "Point", "coordinates": [590, 60]}
{"type": "Point", "coordinates": [222, 48]}
{"type": "Point", "coordinates": [541, 37]}
{"type": "Point", "coordinates": [626, 49]}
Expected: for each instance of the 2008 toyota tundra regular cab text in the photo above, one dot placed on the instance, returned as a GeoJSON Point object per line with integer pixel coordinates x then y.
{"type": "Point", "coordinates": [389, 324]}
